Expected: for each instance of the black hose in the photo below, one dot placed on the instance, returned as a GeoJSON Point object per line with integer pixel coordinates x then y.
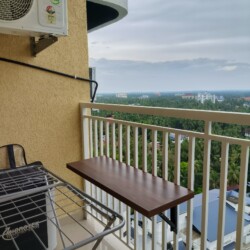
{"type": "Point", "coordinates": [54, 72]}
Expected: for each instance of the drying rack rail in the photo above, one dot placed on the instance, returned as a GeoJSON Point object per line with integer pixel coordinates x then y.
{"type": "Point", "coordinates": [36, 204]}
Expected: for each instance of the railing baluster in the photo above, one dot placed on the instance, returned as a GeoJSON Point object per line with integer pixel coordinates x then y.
{"type": "Point", "coordinates": [165, 177]}
{"type": "Point", "coordinates": [92, 186]}
{"type": "Point", "coordinates": [205, 186]}
{"type": "Point", "coordinates": [128, 226]}
{"type": "Point", "coordinates": [144, 168]}
{"type": "Point", "coordinates": [136, 147]}
{"type": "Point", "coordinates": [101, 154]}
{"type": "Point", "coordinates": [190, 206]}
{"type": "Point", "coordinates": [242, 196]}
{"type": "Point", "coordinates": [154, 153]}
{"type": "Point", "coordinates": [154, 173]}
{"type": "Point", "coordinates": [120, 159]}
{"type": "Point", "coordinates": [96, 189]}
{"type": "Point", "coordinates": [128, 209]}
{"type": "Point", "coordinates": [223, 190]}
{"type": "Point", "coordinates": [120, 142]}
{"type": "Point", "coordinates": [113, 201]}
{"type": "Point", "coordinates": [154, 232]}
{"type": "Point", "coordinates": [96, 137]}
{"type": "Point", "coordinates": [144, 150]}
{"type": "Point", "coordinates": [177, 179]}
{"type": "Point", "coordinates": [165, 156]}
{"type": "Point", "coordinates": [107, 154]}
{"type": "Point", "coordinates": [107, 138]}
{"type": "Point", "coordinates": [136, 240]}
{"type": "Point", "coordinates": [91, 137]}
{"type": "Point", "coordinates": [113, 141]}
{"type": "Point", "coordinates": [101, 138]}
{"type": "Point", "coordinates": [128, 145]}
{"type": "Point", "coordinates": [177, 159]}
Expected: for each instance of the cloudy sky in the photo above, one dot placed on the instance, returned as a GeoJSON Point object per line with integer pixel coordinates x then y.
{"type": "Point", "coordinates": [174, 45]}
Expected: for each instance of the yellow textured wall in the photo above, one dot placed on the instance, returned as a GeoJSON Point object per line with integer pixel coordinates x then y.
{"type": "Point", "coordinates": [38, 109]}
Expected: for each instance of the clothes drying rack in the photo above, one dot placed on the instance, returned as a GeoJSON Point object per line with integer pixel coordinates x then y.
{"type": "Point", "coordinates": [22, 211]}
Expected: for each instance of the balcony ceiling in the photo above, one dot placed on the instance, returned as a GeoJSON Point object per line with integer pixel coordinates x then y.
{"type": "Point", "coordinates": [104, 12]}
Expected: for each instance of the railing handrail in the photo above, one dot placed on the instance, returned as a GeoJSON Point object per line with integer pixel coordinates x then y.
{"type": "Point", "coordinates": [192, 114]}
{"type": "Point", "coordinates": [200, 135]}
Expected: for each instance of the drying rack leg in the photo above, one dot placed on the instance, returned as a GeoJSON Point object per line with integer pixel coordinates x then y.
{"type": "Point", "coordinates": [109, 224]}
{"type": "Point", "coordinates": [54, 212]}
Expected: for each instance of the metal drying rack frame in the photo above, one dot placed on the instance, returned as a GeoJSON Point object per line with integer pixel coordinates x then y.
{"type": "Point", "coordinates": [65, 200]}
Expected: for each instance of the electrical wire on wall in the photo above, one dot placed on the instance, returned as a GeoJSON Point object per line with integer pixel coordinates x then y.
{"type": "Point", "coordinates": [55, 72]}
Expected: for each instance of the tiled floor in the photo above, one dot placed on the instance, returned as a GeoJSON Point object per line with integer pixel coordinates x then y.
{"type": "Point", "coordinates": [109, 242]}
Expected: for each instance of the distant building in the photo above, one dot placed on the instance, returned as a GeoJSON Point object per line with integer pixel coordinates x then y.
{"type": "Point", "coordinates": [220, 98]}
{"type": "Point", "coordinates": [188, 96]}
{"type": "Point", "coordinates": [247, 99]}
{"type": "Point", "coordinates": [144, 97]}
{"type": "Point", "coordinates": [122, 95]}
{"type": "Point", "coordinates": [247, 132]}
{"type": "Point", "coordinates": [202, 97]}
{"type": "Point", "coordinates": [172, 137]}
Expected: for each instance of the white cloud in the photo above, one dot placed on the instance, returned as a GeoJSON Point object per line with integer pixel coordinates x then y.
{"type": "Point", "coordinates": [228, 68]}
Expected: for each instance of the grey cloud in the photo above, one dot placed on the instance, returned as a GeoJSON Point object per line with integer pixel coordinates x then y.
{"type": "Point", "coordinates": [165, 30]}
{"type": "Point", "coordinates": [175, 45]}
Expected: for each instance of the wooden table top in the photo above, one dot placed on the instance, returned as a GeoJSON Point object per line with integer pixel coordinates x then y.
{"type": "Point", "coordinates": [149, 195]}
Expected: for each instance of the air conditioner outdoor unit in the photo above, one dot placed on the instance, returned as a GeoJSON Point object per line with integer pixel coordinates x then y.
{"type": "Point", "coordinates": [34, 17]}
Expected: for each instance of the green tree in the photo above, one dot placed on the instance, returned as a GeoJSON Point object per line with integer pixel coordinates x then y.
{"type": "Point", "coordinates": [233, 174]}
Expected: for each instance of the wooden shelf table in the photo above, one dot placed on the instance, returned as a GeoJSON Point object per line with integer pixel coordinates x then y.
{"type": "Point", "coordinates": [147, 194]}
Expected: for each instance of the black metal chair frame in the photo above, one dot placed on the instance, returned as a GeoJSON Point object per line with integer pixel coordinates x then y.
{"type": "Point", "coordinates": [11, 155]}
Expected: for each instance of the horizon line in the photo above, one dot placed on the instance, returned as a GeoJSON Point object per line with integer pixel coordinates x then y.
{"type": "Point", "coordinates": [174, 91]}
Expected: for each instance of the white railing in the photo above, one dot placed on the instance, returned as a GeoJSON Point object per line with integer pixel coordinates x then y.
{"type": "Point", "coordinates": [112, 137]}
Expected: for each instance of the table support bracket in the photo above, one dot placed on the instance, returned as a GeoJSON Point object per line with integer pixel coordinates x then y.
{"type": "Point", "coordinates": [173, 221]}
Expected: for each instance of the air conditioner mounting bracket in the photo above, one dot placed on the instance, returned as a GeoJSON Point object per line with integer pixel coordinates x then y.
{"type": "Point", "coordinates": [41, 44]}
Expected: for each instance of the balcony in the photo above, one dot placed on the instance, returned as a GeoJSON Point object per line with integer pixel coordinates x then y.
{"type": "Point", "coordinates": [217, 217]}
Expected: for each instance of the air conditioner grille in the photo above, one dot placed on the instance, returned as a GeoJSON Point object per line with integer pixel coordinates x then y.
{"type": "Point", "coordinates": [11, 10]}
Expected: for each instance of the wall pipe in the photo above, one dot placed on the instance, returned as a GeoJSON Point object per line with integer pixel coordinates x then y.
{"type": "Point", "coordinates": [54, 72]}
